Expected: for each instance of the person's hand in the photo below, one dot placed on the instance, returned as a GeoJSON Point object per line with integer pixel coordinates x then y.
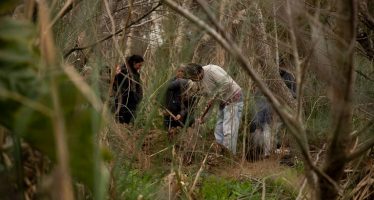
{"type": "Point", "coordinates": [200, 120]}
{"type": "Point", "coordinates": [178, 117]}
{"type": "Point", "coordinates": [118, 69]}
{"type": "Point", "coordinates": [164, 113]}
{"type": "Point", "coordinates": [210, 102]}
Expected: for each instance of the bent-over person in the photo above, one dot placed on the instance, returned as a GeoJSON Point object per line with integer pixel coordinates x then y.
{"type": "Point", "coordinates": [219, 85]}
{"type": "Point", "coordinates": [178, 104]}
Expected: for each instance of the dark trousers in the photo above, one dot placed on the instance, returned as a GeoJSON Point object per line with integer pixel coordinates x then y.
{"type": "Point", "coordinates": [126, 112]}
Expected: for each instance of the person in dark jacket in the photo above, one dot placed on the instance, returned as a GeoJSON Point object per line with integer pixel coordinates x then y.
{"type": "Point", "coordinates": [128, 89]}
{"type": "Point", "coordinates": [287, 76]}
{"type": "Point", "coordinates": [261, 134]}
{"type": "Point", "coordinates": [260, 138]}
{"type": "Point", "coordinates": [178, 104]}
{"type": "Point", "coordinates": [289, 80]}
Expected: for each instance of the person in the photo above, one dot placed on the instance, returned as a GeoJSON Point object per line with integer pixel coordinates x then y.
{"type": "Point", "coordinates": [283, 141]}
{"type": "Point", "coordinates": [265, 121]}
{"type": "Point", "coordinates": [289, 80]}
{"type": "Point", "coordinates": [216, 82]}
{"type": "Point", "coordinates": [128, 90]}
{"type": "Point", "coordinates": [287, 77]}
{"type": "Point", "coordinates": [178, 105]}
{"type": "Point", "coordinates": [260, 141]}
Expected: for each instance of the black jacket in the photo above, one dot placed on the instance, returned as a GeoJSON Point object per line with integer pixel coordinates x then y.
{"type": "Point", "coordinates": [263, 113]}
{"type": "Point", "coordinates": [127, 87]}
{"type": "Point", "coordinates": [176, 102]}
{"type": "Point", "coordinates": [289, 80]}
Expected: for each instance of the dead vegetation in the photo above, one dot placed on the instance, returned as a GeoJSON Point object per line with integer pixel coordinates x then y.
{"type": "Point", "coordinates": [331, 57]}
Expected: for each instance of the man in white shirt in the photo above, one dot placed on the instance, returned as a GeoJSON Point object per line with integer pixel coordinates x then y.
{"type": "Point", "coordinates": [215, 82]}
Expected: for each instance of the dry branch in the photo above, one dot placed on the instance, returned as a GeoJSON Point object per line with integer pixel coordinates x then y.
{"type": "Point", "coordinates": [367, 18]}
{"type": "Point", "coordinates": [341, 98]}
{"type": "Point", "coordinates": [295, 127]}
{"type": "Point", "coordinates": [111, 35]}
{"type": "Point", "coordinates": [361, 150]}
{"type": "Point", "coordinates": [231, 47]}
{"type": "Point", "coordinates": [58, 121]}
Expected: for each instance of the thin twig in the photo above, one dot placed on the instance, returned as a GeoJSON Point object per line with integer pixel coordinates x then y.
{"type": "Point", "coordinates": [83, 87]}
{"type": "Point", "coordinates": [128, 19]}
{"type": "Point", "coordinates": [115, 43]}
{"type": "Point", "coordinates": [276, 37]}
{"type": "Point", "coordinates": [229, 45]}
{"type": "Point", "coordinates": [199, 172]}
{"type": "Point", "coordinates": [313, 107]}
{"type": "Point", "coordinates": [139, 3]}
{"type": "Point", "coordinates": [159, 152]}
{"type": "Point", "coordinates": [64, 10]}
{"type": "Point", "coordinates": [300, 195]}
{"type": "Point", "coordinates": [364, 75]}
{"type": "Point", "coordinates": [299, 81]}
{"type": "Point", "coordinates": [111, 35]}
{"type": "Point", "coordinates": [263, 195]}
{"type": "Point", "coordinates": [361, 149]}
{"type": "Point", "coordinates": [364, 129]}
{"type": "Point", "coordinates": [58, 120]}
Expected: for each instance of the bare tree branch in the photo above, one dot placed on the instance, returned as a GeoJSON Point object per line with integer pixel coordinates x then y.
{"type": "Point", "coordinates": [342, 57]}
{"type": "Point", "coordinates": [364, 129]}
{"type": "Point", "coordinates": [299, 75]}
{"type": "Point", "coordinates": [365, 14]}
{"type": "Point", "coordinates": [139, 3]}
{"type": "Point", "coordinates": [295, 128]}
{"type": "Point", "coordinates": [113, 34]}
{"type": "Point", "coordinates": [58, 121]}
{"type": "Point", "coordinates": [64, 10]}
{"type": "Point", "coordinates": [231, 47]}
{"type": "Point", "coordinates": [364, 75]}
{"type": "Point", "coordinates": [346, 90]}
{"type": "Point", "coordinates": [362, 149]}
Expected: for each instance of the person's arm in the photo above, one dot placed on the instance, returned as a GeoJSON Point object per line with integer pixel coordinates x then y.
{"type": "Point", "coordinates": [118, 83]}
{"type": "Point", "coordinates": [209, 105]}
{"type": "Point", "coordinates": [139, 92]}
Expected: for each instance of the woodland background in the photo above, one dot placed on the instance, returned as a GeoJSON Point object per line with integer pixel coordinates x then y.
{"type": "Point", "coordinates": [59, 140]}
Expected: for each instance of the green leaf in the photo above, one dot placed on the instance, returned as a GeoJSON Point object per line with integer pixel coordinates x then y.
{"type": "Point", "coordinates": [23, 92]}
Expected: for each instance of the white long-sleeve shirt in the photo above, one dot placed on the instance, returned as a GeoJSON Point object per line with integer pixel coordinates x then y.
{"type": "Point", "coordinates": [216, 82]}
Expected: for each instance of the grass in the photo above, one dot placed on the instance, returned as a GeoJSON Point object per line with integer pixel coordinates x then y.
{"type": "Point", "coordinates": [133, 183]}
{"type": "Point", "coordinates": [219, 188]}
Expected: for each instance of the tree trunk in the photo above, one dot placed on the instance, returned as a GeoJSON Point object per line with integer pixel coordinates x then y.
{"type": "Point", "coordinates": [220, 51]}
{"type": "Point", "coordinates": [176, 49]}
{"type": "Point", "coordinates": [341, 97]}
{"type": "Point", "coordinates": [154, 36]}
{"type": "Point", "coordinates": [196, 58]}
{"type": "Point", "coordinates": [267, 66]}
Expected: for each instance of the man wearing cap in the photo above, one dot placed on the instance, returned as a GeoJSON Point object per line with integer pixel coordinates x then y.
{"type": "Point", "coordinates": [215, 82]}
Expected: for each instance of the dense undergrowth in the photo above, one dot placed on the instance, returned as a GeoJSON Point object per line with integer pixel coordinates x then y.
{"type": "Point", "coordinates": [111, 161]}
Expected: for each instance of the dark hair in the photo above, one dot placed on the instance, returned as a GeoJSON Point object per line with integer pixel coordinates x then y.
{"type": "Point", "coordinates": [192, 70]}
{"type": "Point", "coordinates": [132, 60]}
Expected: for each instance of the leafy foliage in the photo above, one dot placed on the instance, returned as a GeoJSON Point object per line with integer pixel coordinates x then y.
{"type": "Point", "coordinates": [218, 188]}
{"type": "Point", "coordinates": [26, 103]}
{"type": "Point", "coordinates": [18, 61]}
{"type": "Point", "coordinates": [134, 183]}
